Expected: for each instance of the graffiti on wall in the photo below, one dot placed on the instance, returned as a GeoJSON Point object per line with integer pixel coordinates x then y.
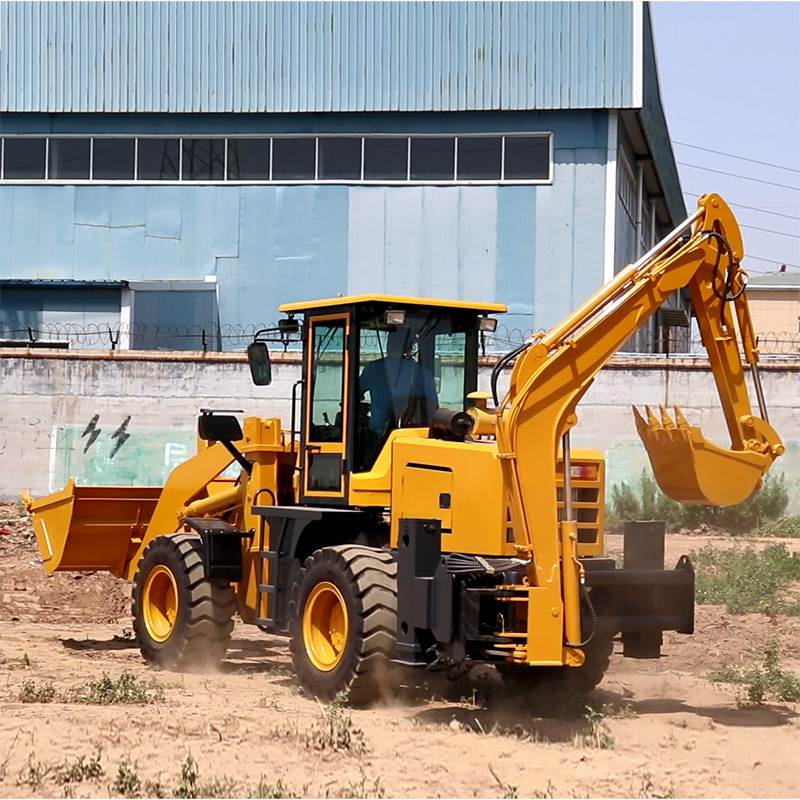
{"type": "Point", "coordinates": [110, 450]}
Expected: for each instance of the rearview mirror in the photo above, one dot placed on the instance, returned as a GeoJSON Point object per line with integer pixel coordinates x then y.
{"type": "Point", "coordinates": [260, 365]}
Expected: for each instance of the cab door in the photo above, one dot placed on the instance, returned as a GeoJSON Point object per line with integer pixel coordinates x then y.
{"type": "Point", "coordinates": [326, 413]}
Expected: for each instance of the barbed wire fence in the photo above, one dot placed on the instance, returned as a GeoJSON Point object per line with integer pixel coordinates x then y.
{"type": "Point", "coordinates": [226, 338]}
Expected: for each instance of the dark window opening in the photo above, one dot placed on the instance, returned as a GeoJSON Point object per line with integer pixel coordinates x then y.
{"type": "Point", "coordinates": [386, 159]}
{"type": "Point", "coordinates": [527, 158]}
{"type": "Point", "coordinates": [248, 159]}
{"type": "Point", "coordinates": [113, 159]}
{"type": "Point", "coordinates": [294, 159]}
{"type": "Point", "coordinates": [432, 159]}
{"type": "Point", "coordinates": [69, 159]}
{"type": "Point", "coordinates": [24, 159]}
{"type": "Point", "coordinates": [340, 158]}
{"type": "Point", "coordinates": [159, 159]}
{"type": "Point", "coordinates": [203, 159]}
{"type": "Point", "coordinates": [480, 158]}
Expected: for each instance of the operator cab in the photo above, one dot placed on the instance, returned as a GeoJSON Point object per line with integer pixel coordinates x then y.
{"type": "Point", "coordinates": [373, 364]}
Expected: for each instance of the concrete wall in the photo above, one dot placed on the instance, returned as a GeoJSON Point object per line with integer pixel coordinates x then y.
{"type": "Point", "coordinates": [130, 418]}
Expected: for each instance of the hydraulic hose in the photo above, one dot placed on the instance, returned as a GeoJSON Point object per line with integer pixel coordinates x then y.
{"type": "Point", "coordinates": [502, 361]}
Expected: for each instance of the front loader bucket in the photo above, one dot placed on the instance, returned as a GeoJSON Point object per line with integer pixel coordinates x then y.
{"type": "Point", "coordinates": [83, 528]}
{"type": "Point", "coordinates": [690, 469]}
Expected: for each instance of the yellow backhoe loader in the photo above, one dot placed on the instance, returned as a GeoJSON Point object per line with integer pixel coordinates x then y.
{"type": "Point", "coordinates": [389, 522]}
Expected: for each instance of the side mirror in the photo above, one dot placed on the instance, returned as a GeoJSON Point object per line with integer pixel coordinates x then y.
{"type": "Point", "coordinates": [260, 365]}
{"type": "Point", "coordinates": [218, 428]}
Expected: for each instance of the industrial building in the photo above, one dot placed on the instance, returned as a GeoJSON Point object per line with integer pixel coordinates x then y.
{"type": "Point", "coordinates": [171, 172]}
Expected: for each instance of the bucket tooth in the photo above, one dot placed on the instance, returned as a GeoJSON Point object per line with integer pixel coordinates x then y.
{"type": "Point", "coordinates": [666, 420]}
{"type": "Point", "coordinates": [652, 420]}
{"type": "Point", "coordinates": [641, 424]}
{"type": "Point", "coordinates": [683, 424]}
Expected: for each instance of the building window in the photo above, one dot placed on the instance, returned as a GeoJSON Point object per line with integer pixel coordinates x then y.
{"type": "Point", "coordinates": [203, 159]}
{"type": "Point", "coordinates": [527, 158]}
{"type": "Point", "coordinates": [113, 159]}
{"type": "Point", "coordinates": [385, 158]}
{"type": "Point", "coordinates": [159, 160]}
{"type": "Point", "coordinates": [24, 158]}
{"type": "Point", "coordinates": [69, 159]}
{"type": "Point", "coordinates": [433, 158]}
{"type": "Point", "coordinates": [480, 158]}
{"type": "Point", "coordinates": [509, 158]}
{"type": "Point", "coordinates": [294, 159]}
{"type": "Point", "coordinates": [248, 159]}
{"type": "Point", "coordinates": [340, 158]}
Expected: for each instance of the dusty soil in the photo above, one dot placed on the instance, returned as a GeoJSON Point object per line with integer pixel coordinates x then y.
{"type": "Point", "coordinates": [669, 731]}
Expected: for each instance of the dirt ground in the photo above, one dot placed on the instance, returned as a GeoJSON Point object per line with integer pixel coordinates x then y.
{"type": "Point", "coordinates": [667, 730]}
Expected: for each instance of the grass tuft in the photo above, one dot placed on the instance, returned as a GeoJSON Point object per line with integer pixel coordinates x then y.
{"type": "Point", "coordinates": [272, 791]}
{"type": "Point", "coordinates": [744, 580]}
{"type": "Point", "coordinates": [336, 730]}
{"type": "Point", "coordinates": [33, 692]}
{"type": "Point", "coordinates": [596, 732]}
{"type": "Point", "coordinates": [81, 769]}
{"type": "Point", "coordinates": [128, 783]}
{"type": "Point", "coordinates": [125, 690]}
{"type": "Point", "coordinates": [760, 682]}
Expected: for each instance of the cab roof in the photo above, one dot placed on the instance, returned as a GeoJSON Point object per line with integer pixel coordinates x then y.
{"type": "Point", "coordinates": [393, 300]}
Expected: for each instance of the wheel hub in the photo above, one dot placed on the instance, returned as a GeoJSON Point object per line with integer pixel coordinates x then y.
{"type": "Point", "coordinates": [325, 626]}
{"type": "Point", "coordinates": [160, 603]}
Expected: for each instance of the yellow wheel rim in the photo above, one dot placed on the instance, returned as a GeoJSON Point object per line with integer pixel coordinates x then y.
{"type": "Point", "coordinates": [160, 603]}
{"type": "Point", "coordinates": [325, 626]}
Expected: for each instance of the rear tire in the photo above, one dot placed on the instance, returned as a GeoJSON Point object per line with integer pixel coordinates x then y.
{"type": "Point", "coordinates": [182, 620]}
{"type": "Point", "coordinates": [343, 622]}
{"type": "Point", "coordinates": [563, 681]}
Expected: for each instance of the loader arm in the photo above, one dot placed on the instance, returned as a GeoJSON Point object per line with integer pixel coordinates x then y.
{"type": "Point", "coordinates": [554, 371]}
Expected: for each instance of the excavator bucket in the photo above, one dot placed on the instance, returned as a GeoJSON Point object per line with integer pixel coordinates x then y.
{"type": "Point", "coordinates": [690, 469]}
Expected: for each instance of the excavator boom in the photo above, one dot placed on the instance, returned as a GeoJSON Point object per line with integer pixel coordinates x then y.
{"type": "Point", "coordinates": [554, 371]}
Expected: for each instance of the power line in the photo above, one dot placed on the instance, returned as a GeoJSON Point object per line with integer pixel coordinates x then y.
{"type": "Point", "coordinates": [764, 211]}
{"type": "Point", "coordinates": [734, 175]}
{"type": "Point", "coordinates": [771, 261]}
{"type": "Point", "coordinates": [766, 230]}
{"type": "Point", "coordinates": [692, 195]}
{"type": "Point", "coordinates": [741, 158]}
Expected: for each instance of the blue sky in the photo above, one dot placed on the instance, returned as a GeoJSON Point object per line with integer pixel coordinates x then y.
{"type": "Point", "coordinates": [730, 83]}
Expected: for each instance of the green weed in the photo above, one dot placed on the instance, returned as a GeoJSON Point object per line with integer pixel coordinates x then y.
{"type": "Point", "coordinates": [155, 789]}
{"type": "Point", "coordinates": [33, 692]}
{"type": "Point", "coordinates": [125, 690]}
{"type": "Point", "coordinates": [596, 731]}
{"type": "Point", "coordinates": [336, 730]}
{"type": "Point", "coordinates": [760, 682]}
{"type": "Point", "coordinates": [744, 580]}
{"type": "Point", "coordinates": [33, 773]}
{"type": "Point", "coordinates": [766, 505]}
{"type": "Point", "coordinates": [272, 791]}
{"type": "Point", "coordinates": [363, 788]}
{"type": "Point", "coordinates": [218, 786]}
{"type": "Point", "coordinates": [128, 783]}
{"type": "Point", "coordinates": [788, 528]}
{"type": "Point", "coordinates": [188, 782]}
{"type": "Point", "coordinates": [83, 768]}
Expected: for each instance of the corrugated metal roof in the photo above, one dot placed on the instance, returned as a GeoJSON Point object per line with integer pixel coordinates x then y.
{"type": "Point", "coordinates": [775, 280]}
{"type": "Point", "coordinates": [314, 56]}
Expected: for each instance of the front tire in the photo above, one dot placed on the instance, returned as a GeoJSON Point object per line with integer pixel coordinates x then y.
{"type": "Point", "coordinates": [182, 620]}
{"type": "Point", "coordinates": [343, 621]}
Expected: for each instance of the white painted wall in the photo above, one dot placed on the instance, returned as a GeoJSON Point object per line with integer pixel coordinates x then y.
{"type": "Point", "coordinates": [49, 402]}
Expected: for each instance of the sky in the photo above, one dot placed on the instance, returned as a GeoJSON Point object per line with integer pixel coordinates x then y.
{"type": "Point", "coordinates": [730, 84]}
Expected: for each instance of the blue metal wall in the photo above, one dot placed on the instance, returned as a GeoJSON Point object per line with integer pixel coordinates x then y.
{"type": "Point", "coordinates": [63, 57]}
{"type": "Point", "coordinates": [537, 248]}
